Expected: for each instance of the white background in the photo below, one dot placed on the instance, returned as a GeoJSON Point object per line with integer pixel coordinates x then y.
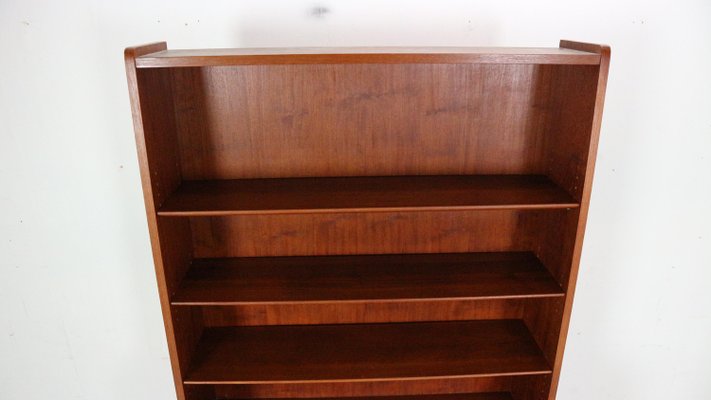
{"type": "Point", "coordinates": [79, 312]}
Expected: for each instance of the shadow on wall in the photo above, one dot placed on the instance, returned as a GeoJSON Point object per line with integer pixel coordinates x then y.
{"type": "Point", "coordinates": [345, 24]}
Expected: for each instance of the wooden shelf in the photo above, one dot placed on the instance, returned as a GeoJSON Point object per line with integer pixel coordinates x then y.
{"type": "Point", "coordinates": [460, 396]}
{"type": "Point", "coordinates": [366, 55]}
{"type": "Point", "coordinates": [365, 352]}
{"type": "Point", "coordinates": [365, 194]}
{"type": "Point", "coordinates": [365, 278]}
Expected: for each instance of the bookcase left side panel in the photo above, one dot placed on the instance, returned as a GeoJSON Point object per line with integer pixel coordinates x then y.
{"type": "Point", "coordinates": [154, 121]}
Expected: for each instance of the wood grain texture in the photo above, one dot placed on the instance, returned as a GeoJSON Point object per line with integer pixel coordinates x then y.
{"type": "Point", "coordinates": [150, 93]}
{"type": "Point", "coordinates": [371, 352]}
{"type": "Point", "coordinates": [554, 247]}
{"type": "Point", "coordinates": [463, 396]}
{"type": "Point", "coordinates": [361, 120]}
{"type": "Point", "coordinates": [531, 387]}
{"type": "Point", "coordinates": [361, 233]}
{"type": "Point", "coordinates": [367, 389]}
{"type": "Point", "coordinates": [359, 55]}
{"type": "Point", "coordinates": [340, 155]}
{"type": "Point", "coordinates": [359, 313]}
{"type": "Point", "coordinates": [587, 182]}
{"type": "Point", "coordinates": [365, 279]}
{"type": "Point", "coordinates": [568, 126]}
{"type": "Point", "coordinates": [543, 320]}
{"type": "Point", "coordinates": [364, 194]}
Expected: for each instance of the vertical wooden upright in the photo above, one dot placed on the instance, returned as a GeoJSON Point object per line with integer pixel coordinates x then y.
{"type": "Point", "coordinates": [586, 189]}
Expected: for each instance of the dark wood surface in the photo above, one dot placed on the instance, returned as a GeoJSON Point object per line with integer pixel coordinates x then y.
{"type": "Point", "coordinates": [325, 55]}
{"type": "Point", "coordinates": [150, 92]}
{"type": "Point", "coordinates": [362, 233]}
{"type": "Point", "coordinates": [358, 194]}
{"type": "Point", "coordinates": [460, 396]}
{"type": "Point", "coordinates": [362, 120]}
{"type": "Point", "coordinates": [345, 353]}
{"type": "Point", "coordinates": [362, 278]}
{"type": "Point", "coordinates": [317, 313]}
{"type": "Point", "coordinates": [592, 130]}
{"type": "Point", "coordinates": [374, 389]}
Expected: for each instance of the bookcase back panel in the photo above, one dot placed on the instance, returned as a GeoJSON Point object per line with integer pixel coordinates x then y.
{"type": "Point", "coordinates": [361, 233]}
{"type": "Point", "coordinates": [364, 119]}
{"type": "Point", "coordinates": [362, 312]}
{"type": "Point", "coordinates": [366, 389]}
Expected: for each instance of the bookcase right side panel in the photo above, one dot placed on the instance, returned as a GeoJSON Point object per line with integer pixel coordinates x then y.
{"type": "Point", "coordinates": [568, 153]}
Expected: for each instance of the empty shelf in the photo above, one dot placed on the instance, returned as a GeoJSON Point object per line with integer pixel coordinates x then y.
{"type": "Point", "coordinates": [365, 352]}
{"type": "Point", "coordinates": [361, 278]}
{"type": "Point", "coordinates": [365, 194]}
{"type": "Point", "coordinates": [460, 396]}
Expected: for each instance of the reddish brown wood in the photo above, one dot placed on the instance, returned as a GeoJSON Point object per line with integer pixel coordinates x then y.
{"type": "Point", "coordinates": [328, 195]}
{"type": "Point", "coordinates": [466, 396]}
{"type": "Point", "coordinates": [361, 233]}
{"type": "Point", "coordinates": [347, 353]}
{"type": "Point", "coordinates": [375, 55]}
{"type": "Point", "coordinates": [369, 389]}
{"type": "Point", "coordinates": [152, 109]}
{"type": "Point", "coordinates": [531, 387]}
{"type": "Point", "coordinates": [568, 45]}
{"type": "Point", "coordinates": [358, 313]}
{"type": "Point", "coordinates": [554, 246]}
{"type": "Point", "coordinates": [375, 151]}
{"type": "Point", "coordinates": [365, 279]}
{"type": "Point", "coordinates": [361, 120]}
{"type": "Point", "coordinates": [569, 124]}
{"type": "Point", "coordinates": [590, 157]}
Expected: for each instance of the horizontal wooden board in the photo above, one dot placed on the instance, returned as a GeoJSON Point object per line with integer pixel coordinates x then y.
{"type": "Point", "coordinates": [461, 396]}
{"type": "Point", "coordinates": [365, 278]}
{"type": "Point", "coordinates": [365, 352]}
{"type": "Point", "coordinates": [365, 194]}
{"type": "Point", "coordinates": [365, 55]}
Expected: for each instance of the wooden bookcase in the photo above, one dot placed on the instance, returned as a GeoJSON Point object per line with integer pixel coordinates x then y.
{"type": "Point", "coordinates": [365, 222]}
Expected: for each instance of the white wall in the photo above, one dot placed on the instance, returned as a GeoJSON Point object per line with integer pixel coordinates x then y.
{"type": "Point", "coordinates": [79, 313]}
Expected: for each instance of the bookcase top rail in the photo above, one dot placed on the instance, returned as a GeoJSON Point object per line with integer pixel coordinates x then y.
{"type": "Point", "coordinates": [366, 55]}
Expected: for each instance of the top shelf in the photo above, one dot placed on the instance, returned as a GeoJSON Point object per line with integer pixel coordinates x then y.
{"type": "Point", "coordinates": [366, 55]}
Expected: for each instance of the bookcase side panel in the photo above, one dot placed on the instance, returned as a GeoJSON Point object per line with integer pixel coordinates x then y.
{"type": "Point", "coordinates": [594, 100]}
{"type": "Point", "coordinates": [154, 123]}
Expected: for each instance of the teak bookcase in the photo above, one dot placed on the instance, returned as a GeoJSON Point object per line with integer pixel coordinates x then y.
{"type": "Point", "coordinates": [365, 222]}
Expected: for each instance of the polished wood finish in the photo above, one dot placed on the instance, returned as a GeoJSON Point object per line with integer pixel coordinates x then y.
{"type": "Point", "coordinates": [362, 233]}
{"type": "Point", "coordinates": [347, 353]}
{"type": "Point", "coordinates": [365, 279]}
{"type": "Point", "coordinates": [370, 389]}
{"type": "Point", "coordinates": [358, 55]}
{"type": "Point", "coordinates": [319, 216]}
{"type": "Point", "coordinates": [362, 312]}
{"type": "Point", "coordinates": [365, 194]}
{"type": "Point", "coordinates": [362, 120]}
{"type": "Point", "coordinates": [467, 396]}
{"type": "Point", "coordinates": [152, 108]}
{"type": "Point", "coordinates": [593, 131]}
